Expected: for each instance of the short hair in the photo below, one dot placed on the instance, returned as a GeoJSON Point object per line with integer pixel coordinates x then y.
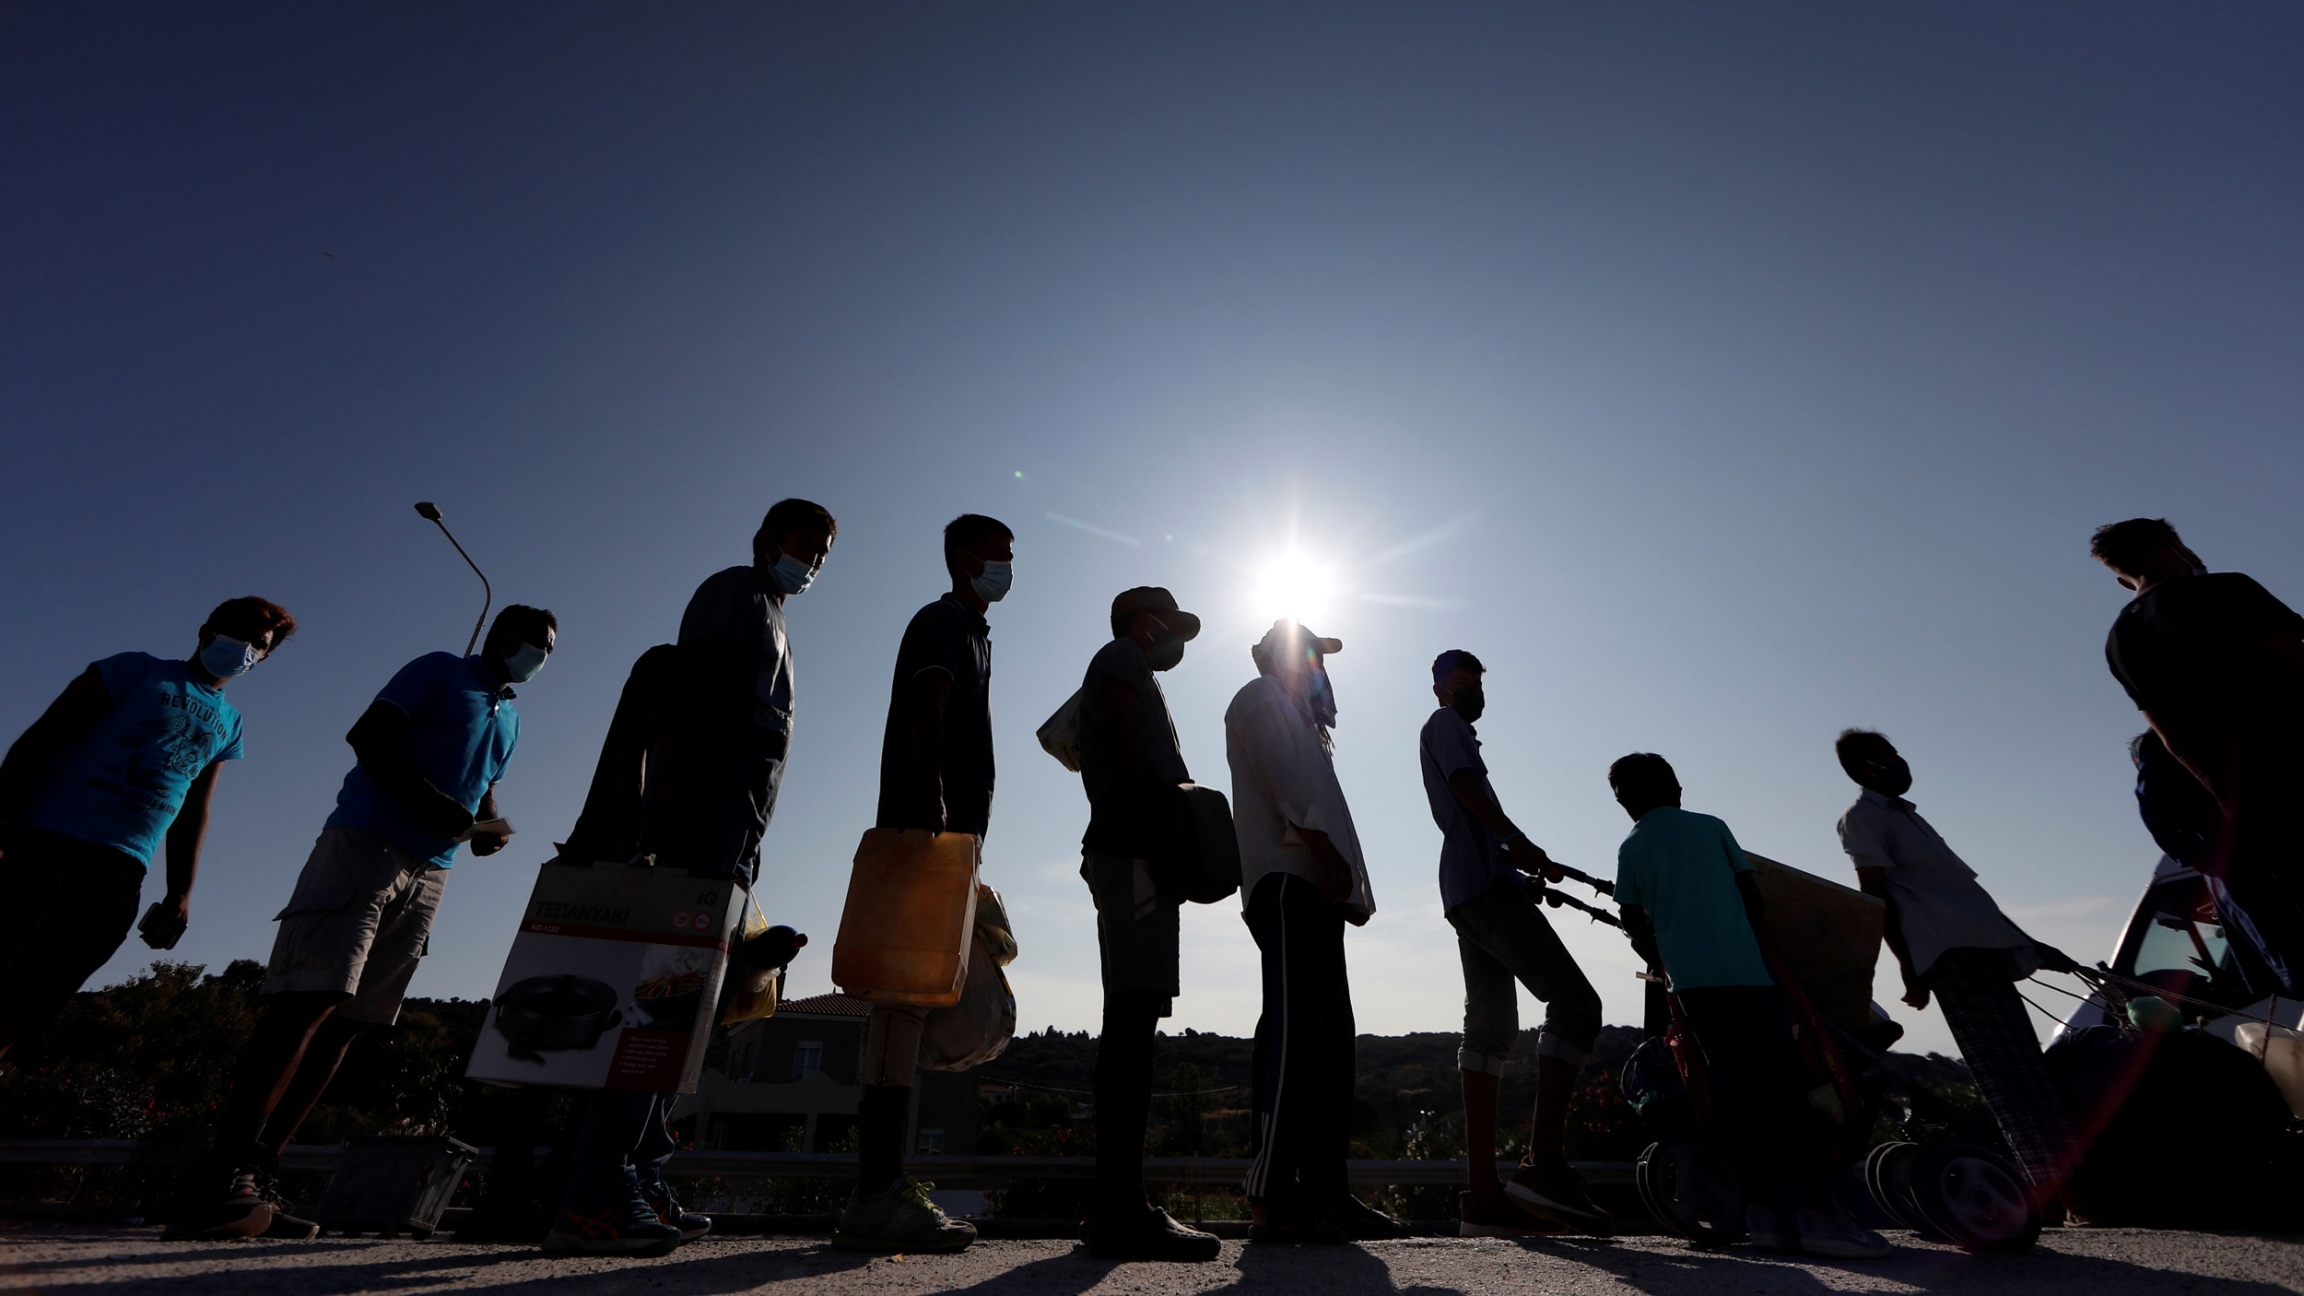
{"type": "Point", "coordinates": [1451, 661]}
{"type": "Point", "coordinates": [525, 623]}
{"type": "Point", "coordinates": [787, 516]}
{"type": "Point", "coordinates": [248, 618]}
{"type": "Point", "coordinates": [2127, 546]}
{"type": "Point", "coordinates": [970, 530]}
{"type": "Point", "coordinates": [1643, 776]}
{"type": "Point", "coordinates": [1853, 744]}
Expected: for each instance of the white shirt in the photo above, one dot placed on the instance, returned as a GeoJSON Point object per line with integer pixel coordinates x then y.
{"type": "Point", "coordinates": [1284, 779]}
{"type": "Point", "coordinates": [1939, 904]}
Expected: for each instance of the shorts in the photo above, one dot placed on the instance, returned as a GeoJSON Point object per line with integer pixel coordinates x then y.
{"type": "Point", "coordinates": [358, 923]}
{"type": "Point", "coordinates": [1502, 937]}
{"type": "Point", "coordinates": [1136, 928]}
{"type": "Point", "coordinates": [70, 905]}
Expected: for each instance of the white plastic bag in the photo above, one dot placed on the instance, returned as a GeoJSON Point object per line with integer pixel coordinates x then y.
{"type": "Point", "coordinates": [976, 1029]}
{"type": "Point", "coordinates": [1060, 734]}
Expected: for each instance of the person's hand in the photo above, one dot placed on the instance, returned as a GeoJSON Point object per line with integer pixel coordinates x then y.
{"type": "Point", "coordinates": [1529, 858]}
{"type": "Point", "coordinates": [488, 843]}
{"type": "Point", "coordinates": [165, 922]}
{"type": "Point", "coordinates": [1335, 880]}
{"type": "Point", "coordinates": [1915, 990]}
{"type": "Point", "coordinates": [2054, 959]}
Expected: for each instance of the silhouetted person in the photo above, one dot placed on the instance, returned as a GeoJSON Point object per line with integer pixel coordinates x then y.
{"type": "Point", "coordinates": [1302, 878]}
{"type": "Point", "coordinates": [935, 775]}
{"type": "Point", "coordinates": [2216, 664]}
{"type": "Point", "coordinates": [1502, 937]}
{"type": "Point", "coordinates": [1952, 941]}
{"type": "Point", "coordinates": [125, 758]}
{"type": "Point", "coordinates": [430, 750]}
{"type": "Point", "coordinates": [1691, 907]}
{"type": "Point", "coordinates": [2188, 825]}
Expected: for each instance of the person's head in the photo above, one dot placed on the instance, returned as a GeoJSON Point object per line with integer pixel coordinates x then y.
{"type": "Point", "coordinates": [1643, 781]}
{"type": "Point", "coordinates": [1148, 614]}
{"type": "Point", "coordinates": [979, 552]}
{"type": "Point", "coordinates": [2143, 552]}
{"type": "Point", "coordinates": [1873, 762]}
{"type": "Point", "coordinates": [240, 633]}
{"type": "Point", "coordinates": [791, 544]}
{"type": "Point", "coordinates": [1297, 658]}
{"type": "Point", "coordinates": [1456, 682]}
{"type": "Point", "coordinates": [519, 641]}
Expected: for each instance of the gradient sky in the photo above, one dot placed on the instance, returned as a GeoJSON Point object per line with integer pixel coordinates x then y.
{"type": "Point", "coordinates": [1722, 375]}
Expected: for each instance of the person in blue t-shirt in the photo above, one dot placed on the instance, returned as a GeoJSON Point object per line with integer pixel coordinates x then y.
{"type": "Point", "coordinates": [1692, 907]}
{"type": "Point", "coordinates": [126, 758]}
{"type": "Point", "coordinates": [1489, 876]}
{"type": "Point", "coordinates": [430, 750]}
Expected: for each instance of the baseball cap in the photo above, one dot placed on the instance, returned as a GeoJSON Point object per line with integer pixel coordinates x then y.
{"type": "Point", "coordinates": [1156, 599]}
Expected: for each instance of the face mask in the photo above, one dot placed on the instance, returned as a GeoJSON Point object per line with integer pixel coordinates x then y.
{"type": "Point", "coordinates": [228, 658]}
{"type": "Point", "coordinates": [1470, 702]}
{"type": "Point", "coordinates": [1321, 696]}
{"type": "Point", "coordinates": [1166, 651]}
{"type": "Point", "coordinates": [993, 585]}
{"type": "Point", "coordinates": [522, 666]}
{"type": "Point", "coordinates": [790, 575]}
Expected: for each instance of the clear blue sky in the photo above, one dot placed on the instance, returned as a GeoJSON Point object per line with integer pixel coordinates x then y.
{"type": "Point", "coordinates": [1723, 376]}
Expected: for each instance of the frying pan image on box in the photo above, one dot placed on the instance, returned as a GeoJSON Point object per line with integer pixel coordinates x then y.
{"type": "Point", "coordinates": [551, 1014]}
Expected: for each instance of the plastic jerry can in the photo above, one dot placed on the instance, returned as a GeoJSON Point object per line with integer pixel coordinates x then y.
{"type": "Point", "coordinates": [911, 910]}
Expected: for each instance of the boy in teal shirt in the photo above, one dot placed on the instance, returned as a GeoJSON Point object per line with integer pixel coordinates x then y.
{"type": "Point", "coordinates": [1691, 907]}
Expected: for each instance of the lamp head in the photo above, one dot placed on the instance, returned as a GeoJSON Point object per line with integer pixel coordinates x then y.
{"type": "Point", "coordinates": [428, 511]}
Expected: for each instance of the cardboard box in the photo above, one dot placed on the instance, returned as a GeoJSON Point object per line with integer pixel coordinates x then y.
{"type": "Point", "coordinates": [1826, 934]}
{"type": "Point", "coordinates": [611, 980]}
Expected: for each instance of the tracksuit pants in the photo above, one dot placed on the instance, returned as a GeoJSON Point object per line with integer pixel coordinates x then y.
{"type": "Point", "coordinates": [1304, 1055]}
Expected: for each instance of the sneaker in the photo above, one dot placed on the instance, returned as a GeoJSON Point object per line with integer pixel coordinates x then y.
{"type": "Point", "coordinates": [1152, 1235]}
{"type": "Point", "coordinates": [1494, 1215]}
{"type": "Point", "coordinates": [241, 1212]}
{"type": "Point", "coordinates": [899, 1218]}
{"type": "Point", "coordinates": [613, 1220]}
{"type": "Point", "coordinates": [284, 1226]}
{"type": "Point", "coordinates": [1839, 1237]}
{"type": "Point", "coordinates": [1556, 1194]}
{"type": "Point", "coordinates": [667, 1207]}
{"type": "Point", "coordinates": [1362, 1222]}
{"type": "Point", "coordinates": [1764, 1228]}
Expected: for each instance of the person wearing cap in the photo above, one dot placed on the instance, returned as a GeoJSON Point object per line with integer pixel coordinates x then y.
{"type": "Point", "coordinates": [1130, 766]}
{"type": "Point", "coordinates": [1502, 936]}
{"type": "Point", "coordinates": [1301, 880]}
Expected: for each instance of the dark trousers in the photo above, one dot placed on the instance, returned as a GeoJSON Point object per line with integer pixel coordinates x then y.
{"type": "Point", "coordinates": [1990, 1023]}
{"type": "Point", "coordinates": [1759, 1087]}
{"type": "Point", "coordinates": [70, 905]}
{"type": "Point", "coordinates": [1124, 1099]}
{"type": "Point", "coordinates": [617, 1129]}
{"type": "Point", "coordinates": [1304, 1058]}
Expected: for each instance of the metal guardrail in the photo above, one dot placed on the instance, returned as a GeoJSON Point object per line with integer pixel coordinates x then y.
{"type": "Point", "coordinates": [946, 1171]}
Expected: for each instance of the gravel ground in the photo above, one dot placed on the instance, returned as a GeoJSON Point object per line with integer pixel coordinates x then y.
{"type": "Point", "coordinates": [2094, 1262]}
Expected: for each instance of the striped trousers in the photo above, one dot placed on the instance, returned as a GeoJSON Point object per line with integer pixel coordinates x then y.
{"type": "Point", "coordinates": [1989, 1022]}
{"type": "Point", "coordinates": [1304, 1057]}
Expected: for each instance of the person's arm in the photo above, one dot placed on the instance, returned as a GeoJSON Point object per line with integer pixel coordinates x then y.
{"type": "Point", "coordinates": [183, 848]}
{"type": "Point", "coordinates": [377, 741]}
{"type": "Point", "coordinates": [76, 710]}
{"type": "Point", "coordinates": [1642, 932]}
{"type": "Point", "coordinates": [930, 689]}
{"type": "Point", "coordinates": [1873, 881]}
{"type": "Point", "coordinates": [488, 843]}
{"type": "Point", "coordinates": [1121, 710]}
{"type": "Point", "coordinates": [1525, 855]}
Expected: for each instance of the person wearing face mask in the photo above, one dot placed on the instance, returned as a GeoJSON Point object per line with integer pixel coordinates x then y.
{"type": "Point", "coordinates": [708, 790]}
{"type": "Point", "coordinates": [1130, 766]}
{"type": "Point", "coordinates": [126, 758]}
{"type": "Point", "coordinates": [1502, 936]}
{"type": "Point", "coordinates": [935, 775]}
{"type": "Point", "coordinates": [1302, 879]}
{"type": "Point", "coordinates": [429, 751]}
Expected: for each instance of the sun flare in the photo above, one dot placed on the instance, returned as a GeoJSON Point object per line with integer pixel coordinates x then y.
{"type": "Point", "coordinates": [1294, 585]}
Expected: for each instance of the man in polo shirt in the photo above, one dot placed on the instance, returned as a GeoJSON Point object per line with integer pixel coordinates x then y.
{"type": "Point", "coordinates": [2216, 664]}
{"type": "Point", "coordinates": [1951, 940]}
{"type": "Point", "coordinates": [430, 750]}
{"type": "Point", "coordinates": [1130, 766]}
{"type": "Point", "coordinates": [1502, 936]}
{"type": "Point", "coordinates": [726, 732]}
{"type": "Point", "coordinates": [935, 775]}
{"type": "Point", "coordinates": [125, 758]}
{"type": "Point", "coordinates": [1301, 880]}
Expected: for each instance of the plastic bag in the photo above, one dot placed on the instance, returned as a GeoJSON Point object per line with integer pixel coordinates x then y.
{"type": "Point", "coordinates": [750, 993]}
{"type": "Point", "coordinates": [1060, 734]}
{"type": "Point", "coordinates": [977, 1028]}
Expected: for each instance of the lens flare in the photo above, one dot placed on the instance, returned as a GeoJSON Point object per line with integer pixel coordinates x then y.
{"type": "Point", "coordinates": [1294, 585]}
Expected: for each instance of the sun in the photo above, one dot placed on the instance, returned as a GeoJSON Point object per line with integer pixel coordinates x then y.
{"type": "Point", "coordinates": [1294, 585]}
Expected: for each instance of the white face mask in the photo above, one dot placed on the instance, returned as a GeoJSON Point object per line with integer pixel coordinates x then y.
{"type": "Point", "coordinates": [993, 585]}
{"type": "Point", "coordinates": [228, 658]}
{"type": "Point", "coordinates": [522, 666]}
{"type": "Point", "coordinates": [790, 575]}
